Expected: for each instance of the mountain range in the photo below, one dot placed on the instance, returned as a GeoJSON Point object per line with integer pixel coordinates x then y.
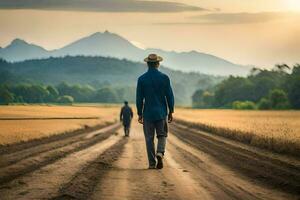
{"type": "Point", "coordinates": [109, 44]}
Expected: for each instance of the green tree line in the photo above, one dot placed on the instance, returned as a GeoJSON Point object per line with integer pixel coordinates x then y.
{"type": "Point", "coordinates": [63, 93]}
{"type": "Point", "coordinates": [99, 72]}
{"type": "Point", "coordinates": [263, 89]}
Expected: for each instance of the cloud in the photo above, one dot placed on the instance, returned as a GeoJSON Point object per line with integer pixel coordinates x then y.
{"type": "Point", "coordinates": [236, 18]}
{"type": "Point", "coordinates": [241, 18]}
{"type": "Point", "coordinates": [100, 5]}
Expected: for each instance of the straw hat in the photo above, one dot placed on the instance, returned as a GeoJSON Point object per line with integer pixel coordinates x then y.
{"type": "Point", "coordinates": [153, 58]}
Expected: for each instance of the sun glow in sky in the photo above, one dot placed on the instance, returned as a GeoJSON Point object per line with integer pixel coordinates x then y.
{"type": "Point", "coordinates": [293, 5]}
{"type": "Point", "coordinates": [255, 32]}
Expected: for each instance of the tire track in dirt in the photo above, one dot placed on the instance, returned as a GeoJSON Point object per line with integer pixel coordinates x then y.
{"type": "Point", "coordinates": [39, 146]}
{"type": "Point", "coordinates": [272, 173]}
{"type": "Point", "coordinates": [31, 163]}
{"type": "Point", "coordinates": [189, 173]}
{"type": "Point", "coordinates": [129, 177]}
{"type": "Point", "coordinates": [13, 148]}
{"type": "Point", "coordinates": [220, 181]}
{"type": "Point", "coordinates": [83, 183]}
{"type": "Point", "coordinates": [45, 182]}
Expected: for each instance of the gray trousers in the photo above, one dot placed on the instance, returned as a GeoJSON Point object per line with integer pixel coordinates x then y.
{"type": "Point", "coordinates": [160, 127]}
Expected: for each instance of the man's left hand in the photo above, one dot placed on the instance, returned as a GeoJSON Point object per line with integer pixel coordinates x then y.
{"type": "Point", "coordinates": [141, 120]}
{"type": "Point", "coordinates": [170, 117]}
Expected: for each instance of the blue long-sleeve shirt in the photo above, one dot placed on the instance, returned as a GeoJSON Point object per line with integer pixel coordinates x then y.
{"type": "Point", "coordinates": [154, 95]}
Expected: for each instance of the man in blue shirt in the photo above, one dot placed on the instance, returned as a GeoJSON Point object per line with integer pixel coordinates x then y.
{"type": "Point", "coordinates": [154, 102]}
{"type": "Point", "coordinates": [126, 116]}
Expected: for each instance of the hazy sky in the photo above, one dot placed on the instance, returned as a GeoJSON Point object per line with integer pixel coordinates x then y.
{"type": "Point", "coordinates": [259, 32]}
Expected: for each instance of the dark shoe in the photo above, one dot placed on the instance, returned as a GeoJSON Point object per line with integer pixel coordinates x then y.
{"type": "Point", "coordinates": [160, 163]}
{"type": "Point", "coordinates": [152, 167]}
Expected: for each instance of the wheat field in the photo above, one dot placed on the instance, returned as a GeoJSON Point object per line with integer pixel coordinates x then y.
{"type": "Point", "coordinates": [275, 130]}
{"type": "Point", "coordinates": [23, 123]}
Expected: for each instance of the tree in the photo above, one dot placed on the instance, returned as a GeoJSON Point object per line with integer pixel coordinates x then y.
{"type": "Point", "coordinates": [63, 88]}
{"type": "Point", "coordinates": [282, 68]}
{"type": "Point", "coordinates": [86, 93]}
{"type": "Point", "coordinates": [264, 104]}
{"type": "Point", "coordinates": [208, 99]}
{"type": "Point", "coordinates": [254, 71]}
{"type": "Point", "coordinates": [6, 97]}
{"type": "Point", "coordinates": [243, 105]}
{"type": "Point", "coordinates": [37, 94]}
{"type": "Point", "coordinates": [294, 93]}
{"type": "Point", "coordinates": [292, 86]}
{"type": "Point", "coordinates": [264, 81]}
{"type": "Point", "coordinates": [106, 95]}
{"type": "Point", "coordinates": [233, 89]}
{"type": "Point", "coordinates": [197, 98]}
{"type": "Point", "coordinates": [278, 99]}
{"type": "Point", "coordinates": [31, 93]}
{"type": "Point", "coordinates": [53, 93]}
{"type": "Point", "coordinates": [202, 99]}
{"type": "Point", "coordinates": [65, 100]}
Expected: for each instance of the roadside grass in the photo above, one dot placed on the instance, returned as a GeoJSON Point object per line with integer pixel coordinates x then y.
{"type": "Point", "coordinates": [278, 131]}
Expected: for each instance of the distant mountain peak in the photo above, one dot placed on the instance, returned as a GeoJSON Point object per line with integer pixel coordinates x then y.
{"type": "Point", "coordinates": [97, 33]}
{"type": "Point", "coordinates": [106, 35]}
{"type": "Point", "coordinates": [194, 52]}
{"type": "Point", "coordinates": [18, 42]}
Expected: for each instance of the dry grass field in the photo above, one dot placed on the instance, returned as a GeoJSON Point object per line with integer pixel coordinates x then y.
{"type": "Point", "coordinates": [278, 131]}
{"type": "Point", "coordinates": [275, 130]}
{"type": "Point", "coordinates": [23, 123]}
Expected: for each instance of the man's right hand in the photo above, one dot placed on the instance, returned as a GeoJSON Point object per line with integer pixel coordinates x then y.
{"type": "Point", "coordinates": [141, 120]}
{"type": "Point", "coordinates": [170, 117]}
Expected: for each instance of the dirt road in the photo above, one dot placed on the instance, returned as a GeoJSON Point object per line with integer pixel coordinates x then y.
{"type": "Point", "coordinates": [102, 164]}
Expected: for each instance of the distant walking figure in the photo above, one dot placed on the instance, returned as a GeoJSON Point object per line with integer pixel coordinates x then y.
{"type": "Point", "coordinates": [126, 115]}
{"type": "Point", "coordinates": [154, 98]}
